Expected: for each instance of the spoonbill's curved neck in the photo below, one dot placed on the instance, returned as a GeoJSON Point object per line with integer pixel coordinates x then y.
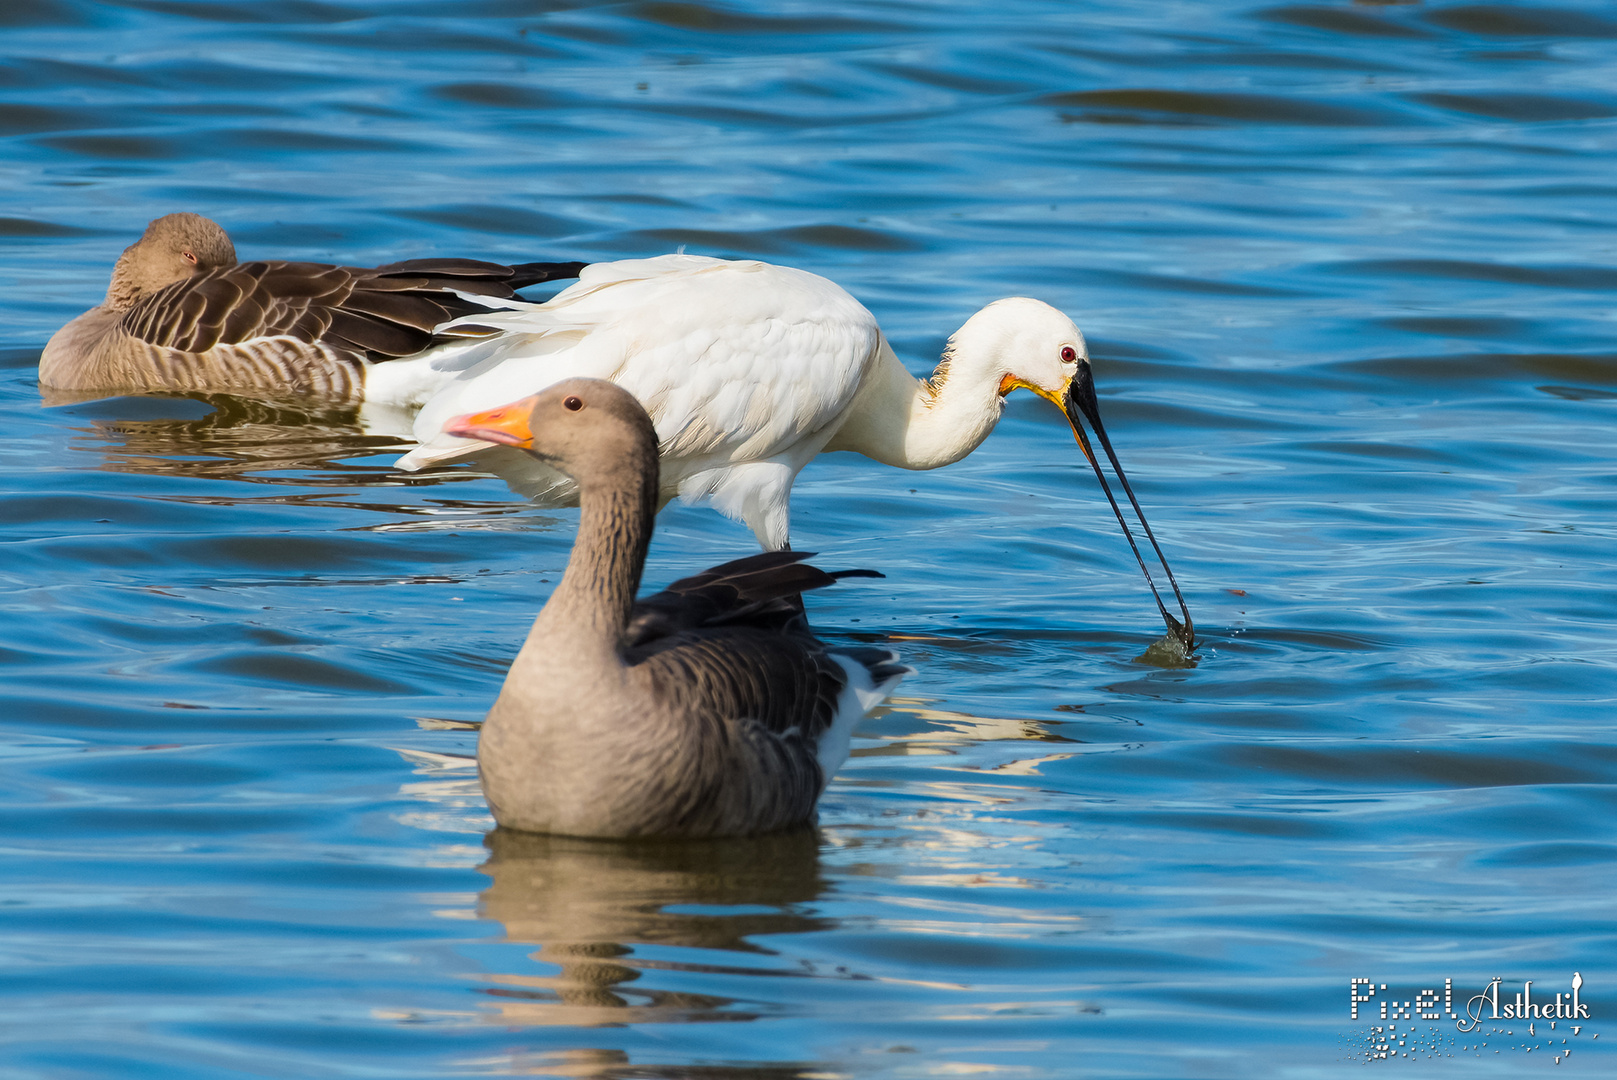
{"type": "Point", "coordinates": [923, 423]}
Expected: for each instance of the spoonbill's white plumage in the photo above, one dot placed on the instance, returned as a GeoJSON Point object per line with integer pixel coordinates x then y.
{"type": "Point", "coordinates": [707, 709]}
{"type": "Point", "coordinates": [748, 371]}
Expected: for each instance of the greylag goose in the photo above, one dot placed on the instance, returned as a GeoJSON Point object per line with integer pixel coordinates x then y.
{"type": "Point", "coordinates": [707, 709]}
{"type": "Point", "coordinates": [750, 370]}
{"type": "Point", "coordinates": [183, 315]}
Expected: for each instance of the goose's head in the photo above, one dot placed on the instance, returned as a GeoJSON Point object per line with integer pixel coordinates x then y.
{"type": "Point", "coordinates": [590, 429]}
{"type": "Point", "coordinates": [172, 248]}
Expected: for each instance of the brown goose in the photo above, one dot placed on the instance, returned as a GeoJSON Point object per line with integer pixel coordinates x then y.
{"type": "Point", "coordinates": [183, 315]}
{"type": "Point", "coordinates": [708, 709]}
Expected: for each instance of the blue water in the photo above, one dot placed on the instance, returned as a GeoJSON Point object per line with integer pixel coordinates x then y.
{"type": "Point", "coordinates": [1348, 273]}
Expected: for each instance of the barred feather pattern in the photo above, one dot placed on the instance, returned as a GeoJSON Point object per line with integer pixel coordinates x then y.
{"type": "Point", "coordinates": [273, 367]}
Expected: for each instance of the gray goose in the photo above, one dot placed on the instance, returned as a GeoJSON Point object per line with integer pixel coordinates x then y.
{"type": "Point", "coordinates": [707, 709]}
{"type": "Point", "coordinates": [183, 315]}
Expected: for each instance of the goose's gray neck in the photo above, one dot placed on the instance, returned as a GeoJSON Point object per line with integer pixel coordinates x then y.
{"type": "Point", "coordinates": [589, 611]}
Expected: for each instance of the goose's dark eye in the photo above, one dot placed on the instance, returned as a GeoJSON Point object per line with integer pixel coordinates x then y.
{"type": "Point", "coordinates": [573, 404]}
{"type": "Point", "coordinates": [1069, 355]}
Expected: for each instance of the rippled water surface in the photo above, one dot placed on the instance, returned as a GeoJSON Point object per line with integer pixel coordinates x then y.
{"type": "Point", "coordinates": [1348, 272]}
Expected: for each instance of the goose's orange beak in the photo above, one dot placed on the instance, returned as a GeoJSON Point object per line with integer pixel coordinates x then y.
{"type": "Point", "coordinates": [507, 425]}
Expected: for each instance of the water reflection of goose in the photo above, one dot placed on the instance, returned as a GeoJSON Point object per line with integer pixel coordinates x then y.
{"type": "Point", "coordinates": [750, 370]}
{"type": "Point", "coordinates": [181, 314]}
{"type": "Point", "coordinates": [220, 436]}
{"type": "Point", "coordinates": [704, 710]}
{"type": "Point", "coordinates": [587, 904]}
{"type": "Point", "coordinates": [318, 454]}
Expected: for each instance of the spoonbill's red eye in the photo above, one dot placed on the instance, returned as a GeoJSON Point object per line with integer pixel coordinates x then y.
{"type": "Point", "coordinates": [1069, 355]}
{"type": "Point", "coordinates": [190, 258]}
{"type": "Point", "coordinates": [573, 404]}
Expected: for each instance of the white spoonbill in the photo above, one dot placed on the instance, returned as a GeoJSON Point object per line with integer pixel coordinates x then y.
{"type": "Point", "coordinates": [748, 371]}
{"type": "Point", "coordinates": [707, 709]}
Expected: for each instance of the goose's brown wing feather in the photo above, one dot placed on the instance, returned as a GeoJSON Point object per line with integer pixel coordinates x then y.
{"type": "Point", "coordinates": [416, 310]}
{"type": "Point", "coordinates": [755, 706]}
{"type": "Point", "coordinates": [762, 591]}
{"type": "Point", "coordinates": [784, 681]}
{"type": "Point", "coordinates": [382, 313]}
{"type": "Point", "coordinates": [472, 275]}
{"type": "Point", "coordinates": [732, 642]}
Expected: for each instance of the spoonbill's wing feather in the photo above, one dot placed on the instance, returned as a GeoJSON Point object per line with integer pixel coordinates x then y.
{"type": "Point", "coordinates": [735, 361]}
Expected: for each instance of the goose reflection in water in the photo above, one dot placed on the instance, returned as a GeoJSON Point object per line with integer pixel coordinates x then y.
{"type": "Point", "coordinates": [587, 904]}
{"type": "Point", "coordinates": [220, 437]}
{"type": "Point", "coordinates": [224, 437]}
